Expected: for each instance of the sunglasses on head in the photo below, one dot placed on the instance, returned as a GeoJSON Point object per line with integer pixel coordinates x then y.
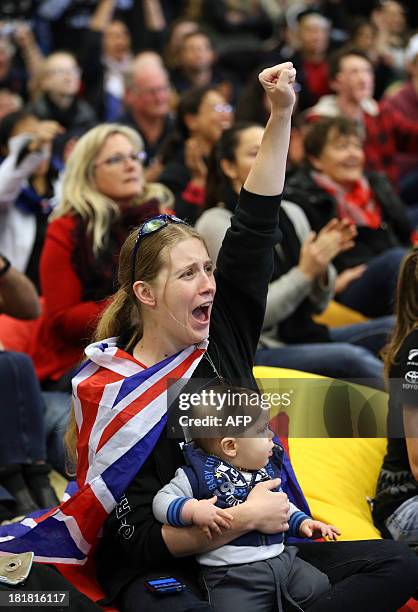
{"type": "Point", "coordinates": [151, 226]}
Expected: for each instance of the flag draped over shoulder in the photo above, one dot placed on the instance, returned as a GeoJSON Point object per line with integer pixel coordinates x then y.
{"type": "Point", "coordinates": [121, 410]}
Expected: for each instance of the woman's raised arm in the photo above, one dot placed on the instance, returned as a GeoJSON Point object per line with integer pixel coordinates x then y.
{"type": "Point", "coordinates": [267, 174]}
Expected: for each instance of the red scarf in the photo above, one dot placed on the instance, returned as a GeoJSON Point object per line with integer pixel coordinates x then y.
{"type": "Point", "coordinates": [356, 204]}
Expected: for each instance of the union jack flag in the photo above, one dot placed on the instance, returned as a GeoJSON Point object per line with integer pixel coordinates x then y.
{"type": "Point", "coordinates": [121, 410]}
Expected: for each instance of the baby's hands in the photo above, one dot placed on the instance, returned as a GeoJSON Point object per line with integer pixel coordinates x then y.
{"type": "Point", "coordinates": [208, 517]}
{"type": "Point", "coordinates": [310, 528]}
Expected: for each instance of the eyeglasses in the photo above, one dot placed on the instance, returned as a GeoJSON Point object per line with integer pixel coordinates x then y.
{"type": "Point", "coordinates": [151, 226]}
{"type": "Point", "coordinates": [152, 91]}
{"type": "Point", "coordinates": [222, 108]}
{"type": "Point", "coordinates": [73, 70]}
{"type": "Point", "coordinates": [119, 158]}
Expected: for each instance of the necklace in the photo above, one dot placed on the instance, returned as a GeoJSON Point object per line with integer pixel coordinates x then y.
{"type": "Point", "coordinates": [209, 359]}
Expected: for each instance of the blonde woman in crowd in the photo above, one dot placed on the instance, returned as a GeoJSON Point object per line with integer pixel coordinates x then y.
{"type": "Point", "coordinates": [104, 195]}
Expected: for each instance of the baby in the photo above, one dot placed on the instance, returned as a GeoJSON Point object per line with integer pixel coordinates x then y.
{"type": "Point", "coordinates": [254, 570]}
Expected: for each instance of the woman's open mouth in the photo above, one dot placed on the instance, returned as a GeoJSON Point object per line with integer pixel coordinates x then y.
{"type": "Point", "coordinates": [201, 313]}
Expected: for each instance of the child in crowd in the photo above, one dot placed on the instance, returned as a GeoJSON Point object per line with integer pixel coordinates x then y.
{"type": "Point", "coordinates": [228, 458]}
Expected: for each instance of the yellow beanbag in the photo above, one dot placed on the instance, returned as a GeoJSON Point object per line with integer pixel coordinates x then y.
{"type": "Point", "coordinates": [337, 315]}
{"type": "Point", "coordinates": [337, 475]}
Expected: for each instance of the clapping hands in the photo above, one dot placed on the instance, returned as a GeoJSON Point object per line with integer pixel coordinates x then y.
{"type": "Point", "coordinates": [318, 250]}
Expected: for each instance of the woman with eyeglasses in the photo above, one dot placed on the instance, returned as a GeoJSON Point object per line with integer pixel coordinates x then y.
{"type": "Point", "coordinates": [202, 116]}
{"type": "Point", "coordinates": [104, 195]}
{"type": "Point", "coordinates": [174, 318]}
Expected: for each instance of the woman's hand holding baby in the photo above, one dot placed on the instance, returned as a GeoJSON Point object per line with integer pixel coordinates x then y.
{"type": "Point", "coordinates": [269, 508]}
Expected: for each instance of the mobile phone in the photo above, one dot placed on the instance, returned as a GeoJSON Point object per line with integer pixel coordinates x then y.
{"type": "Point", "coordinates": [14, 569]}
{"type": "Point", "coordinates": [164, 585]}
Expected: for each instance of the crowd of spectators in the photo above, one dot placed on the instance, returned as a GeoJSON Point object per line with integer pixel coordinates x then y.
{"type": "Point", "coordinates": [112, 110]}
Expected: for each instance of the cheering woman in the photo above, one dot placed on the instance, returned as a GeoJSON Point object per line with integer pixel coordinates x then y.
{"type": "Point", "coordinates": [173, 317]}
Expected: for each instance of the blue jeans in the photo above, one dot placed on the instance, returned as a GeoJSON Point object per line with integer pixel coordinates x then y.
{"type": "Point", "coordinates": [403, 523]}
{"type": "Point", "coordinates": [408, 186]}
{"type": "Point", "coordinates": [57, 411]}
{"type": "Point", "coordinates": [22, 430]}
{"type": "Point", "coordinates": [372, 335]}
{"type": "Point", "coordinates": [333, 359]}
{"type": "Point", "coordinates": [350, 357]}
{"type": "Point", "coordinates": [412, 214]}
{"type": "Point", "coordinates": [373, 293]}
{"type": "Point", "coordinates": [33, 423]}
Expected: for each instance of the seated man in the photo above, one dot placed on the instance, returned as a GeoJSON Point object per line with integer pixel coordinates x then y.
{"type": "Point", "coordinates": [387, 131]}
{"type": "Point", "coordinates": [147, 103]}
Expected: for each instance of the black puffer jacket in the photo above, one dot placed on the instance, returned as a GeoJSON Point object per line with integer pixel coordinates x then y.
{"type": "Point", "coordinates": [319, 206]}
